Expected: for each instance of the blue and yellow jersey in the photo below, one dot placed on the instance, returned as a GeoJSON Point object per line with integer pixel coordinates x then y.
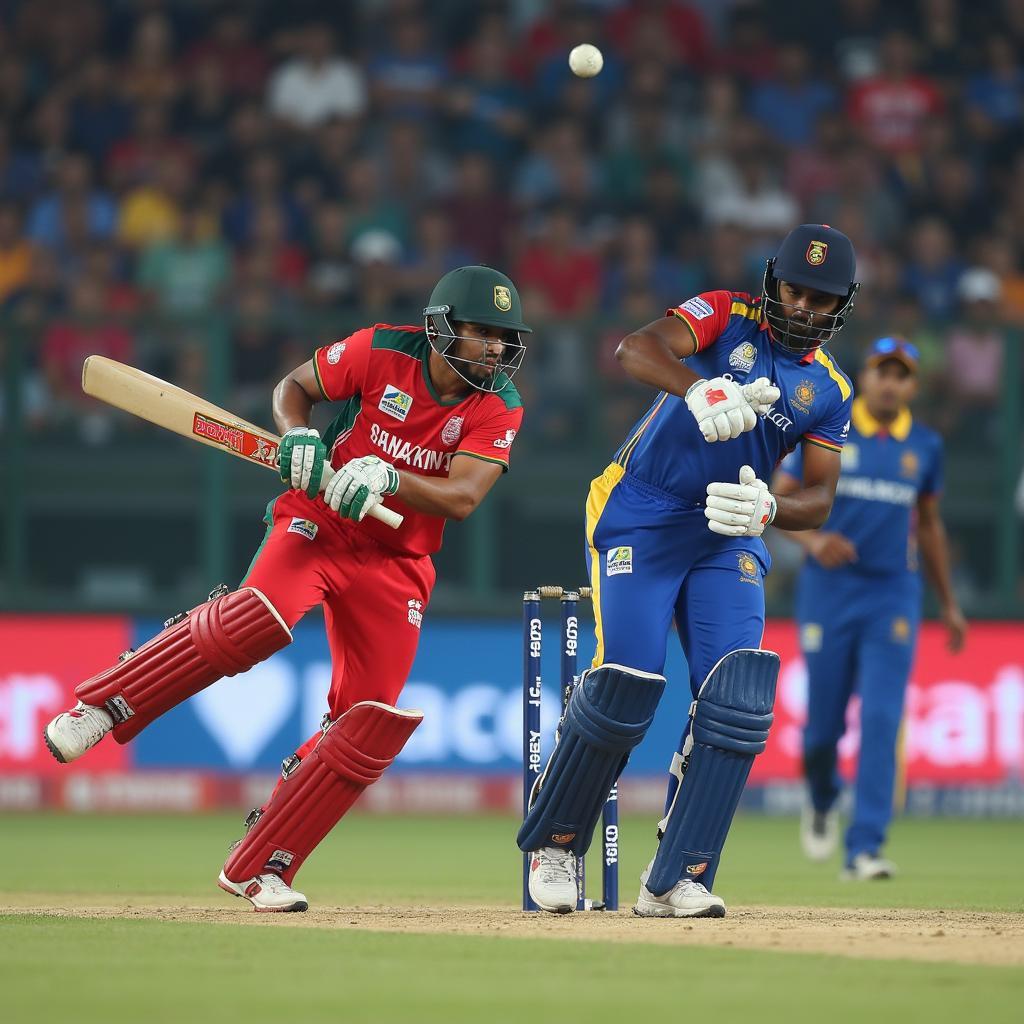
{"type": "Point", "coordinates": [885, 472]}
{"type": "Point", "coordinates": [666, 449]}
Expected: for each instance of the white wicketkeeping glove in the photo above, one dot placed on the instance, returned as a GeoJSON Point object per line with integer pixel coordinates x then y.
{"type": "Point", "coordinates": [740, 510]}
{"type": "Point", "coordinates": [724, 409]}
{"type": "Point", "coordinates": [359, 485]}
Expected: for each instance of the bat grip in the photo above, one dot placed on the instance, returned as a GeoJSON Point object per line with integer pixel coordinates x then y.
{"type": "Point", "coordinates": [386, 515]}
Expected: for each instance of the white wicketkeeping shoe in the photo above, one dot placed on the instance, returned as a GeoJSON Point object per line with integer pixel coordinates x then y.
{"type": "Point", "coordinates": [819, 832]}
{"type": "Point", "coordinates": [866, 867]}
{"type": "Point", "coordinates": [268, 894]}
{"type": "Point", "coordinates": [686, 898]}
{"type": "Point", "coordinates": [74, 732]}
{"type": "Point", "coordinates": [553, 885]}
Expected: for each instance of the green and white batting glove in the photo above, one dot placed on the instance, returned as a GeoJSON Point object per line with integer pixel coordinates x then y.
{"type": "Point", "coordinates": [301, 459]}
{"type": "Point", "coordinates": [359, 485]}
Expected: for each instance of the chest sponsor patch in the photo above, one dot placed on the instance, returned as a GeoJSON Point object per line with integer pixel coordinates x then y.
{"type": "Point", "coordinates": [395, 402]}
{"type": "Point", "coordinates": [452, 430]}
{"type": "Point", "coordinates": [698, 308]}
{"type": "Point", "coordinates": [620, 561]}
{"type": "Point", "coordinates": [335, 352]}
{"type": "Point", "coordinates": [743, 357]}
{"type": "Point", "coordinates": [304, 528]}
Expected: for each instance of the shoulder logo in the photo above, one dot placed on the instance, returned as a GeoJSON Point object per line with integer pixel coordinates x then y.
{"type": "Point", "coordinates": [395, 402]}
{"type": "Point", "coordinates": [502, 298]}
{"type": "Point", "coordinates": [743, 357]}
{"type": "Point", "coordinates": [452, 430]}
{"type": "Point", "coordinates": [816, 253]}
{"type": "Point", "coordinates": [803, 395]}
{"type": "Point", "coordinates": [698, 308]}
{"type": "Point", "coordinates": [335, 352]}
{"type": "Point", "coordinates": [620, 561]}
{"type": "Point", "coordinates": [506, 441]}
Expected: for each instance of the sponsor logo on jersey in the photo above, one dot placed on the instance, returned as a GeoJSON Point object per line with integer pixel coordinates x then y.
{"type": "Point", "coordinates": [698, 308]}
{"type": "Point", "coordinates": [909, 465]}
{"type": "Point", "coordinates": [452, 430]}
{"type": "Point", "coordinates": [743, 357]}
{"type": "Point", "coordinates": [803, 395]}
{"type": "Point", "coordinates": [781, 421]}
{"type": "Point", "coordinates": [845, 432]}
{"type": "Point", "coordinates": [395, 402]}
{"type": "Point", "coordinates": [506, 441]}
{"type": "Point", "coordinates": [502, 298]}
{"type": "Point", "coordinates": [399, 450]}
{"type": "Point", "coordinates": [697, 869]}
{"type": "Point", "coordinates": [304, 528]}
{"type": "Point", "coordinates": [416, 612]}
{"type": "Point", "coordinates": [620, 561]}
{"type": "Point", "coordinates": [811, 635]}
{"type": "Point", "coordinates": [889, 492]}
{"type": "Point", "coordinates": [849, 457]}
{"type": "Point", "coordinates": [335, 352]}
{"type": "Point", "coordinates": [748, 568]}
{"type": "Point", "coordinates": [816, 253]}
{"type": "Point", "coordinates": [901, 629]}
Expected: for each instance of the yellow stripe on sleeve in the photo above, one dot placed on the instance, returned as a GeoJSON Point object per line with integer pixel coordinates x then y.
{"type": "Point", "coordinates": [826, 361]}
{"type": "Point", "coordinates": [600, 491]}
{"type": "Point", "coordinates": [742, 309]}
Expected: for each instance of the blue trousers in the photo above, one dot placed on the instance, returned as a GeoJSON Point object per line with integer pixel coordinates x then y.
{"type": "Point", "coordinates": [653, 559]}
{"type": "Point", "coordinates": [858, 634]}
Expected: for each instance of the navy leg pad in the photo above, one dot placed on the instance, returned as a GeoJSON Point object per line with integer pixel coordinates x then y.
{"type": "Point", "coordinates": [609, 713]}
{"type": "Point", "coordinates": [730, 720]}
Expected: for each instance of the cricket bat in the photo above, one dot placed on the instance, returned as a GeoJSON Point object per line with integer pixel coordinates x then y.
{"type": "Point", "coordinates": [173, 408]}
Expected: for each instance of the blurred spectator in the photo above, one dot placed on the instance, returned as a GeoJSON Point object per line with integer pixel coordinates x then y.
{"type": "Point", "coordinates": [891, 107]}
{"type": "Point", "coordinates": [434, 252]}
{"type": "Point", "coordinates": [376, 255]}
{"type": "Point", "coordinates": [15, 255]}
{"type": "Point", "coordinates": [664, 30]}
{"type": "Point", "coordinates": [151, 212]}
{"type": "Point", "coordinates": [561, 269]}
{"type": "Point", "coordinates": [487, 108]}
{"type": "Point", "coordinates": [68, 341]}
{"type": "Point", "coordinates": [407, 78]}
{"type": "Point", "coordinates": [635, 265]}
{"type": "Point", "coordinates": [975, 350]}
{"type": "Point", "coordinates": [317, 83]}
{"type": "Point", "coordinates": [330, 281]}
{"type": "Point", "coordinates": [269, 242]}
{"type": "Point", "coordinates": [479, 212]}
{"type": "Point", "coordinates": [186, 274]}
{"type": "Point", "coordinates": [789, 106]}
{"type": "Point", "coordinates": [99, 116]}
{"type": "Point", "coordinates": [994, 97]}
{"type": "Point", "coordinates": [752, 52]}
{"type": "Point", "coordinates": [149, 75]}
{"type": "Point", "coordinates": [264, 186]}
{"type": "Point", "coordinates": [370, 207]}
{"type": "Point", "coordinates": [74, 186]}
{"type": "Point", "coordinates": [628, 168]}
{"type": "Point", "coordinates": [140, 157]}
{"type": "Point", "coordinates": [206, 105]}
{"type": "Point", "coordinates": [240, 62]}
{"type": "Point", "coordinates": [257, 344]}
{"type": "Point", "coordinates": [934, 268]}
{"type": "Point", "coordinates": [19, 168]}
{"type": "Point", "coordinates": [409, 163]}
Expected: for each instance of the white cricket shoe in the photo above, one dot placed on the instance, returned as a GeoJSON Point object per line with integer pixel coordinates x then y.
{"type": "Point", "coordinates": [552, 884]}
{"type": "Point", "coordinates": [74, 732]}
{"type": "Point", "coordinates": [267, 893]}
{"type": "Point", "coordinates": [819, 832]}
{"type": "Point", "coordinates": [686, 898]}
{"type": "Point", "coordinates": [866, 867]}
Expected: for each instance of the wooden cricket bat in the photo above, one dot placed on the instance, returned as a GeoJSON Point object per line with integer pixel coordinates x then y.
{"type": "Point", "coordinates": [173, 408]}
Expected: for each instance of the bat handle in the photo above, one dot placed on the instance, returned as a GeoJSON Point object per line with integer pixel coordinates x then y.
{"type": "Point", "coordinates": [386, 515]}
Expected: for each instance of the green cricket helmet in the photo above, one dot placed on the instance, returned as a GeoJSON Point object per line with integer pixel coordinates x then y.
{"type": "Point", "coordinates": [477, 295]}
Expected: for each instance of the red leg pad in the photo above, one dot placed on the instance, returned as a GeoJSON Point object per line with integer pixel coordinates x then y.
{"type": "Point", "coordinates": [353, 753]}
{"type": "Point", "coordinates": [222, 637]}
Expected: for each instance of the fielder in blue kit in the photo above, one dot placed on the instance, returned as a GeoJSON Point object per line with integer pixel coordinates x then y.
{"type": "Point", "coordinates": [673, 531]}
{"type": "Point", "coordinates": [859, 603]}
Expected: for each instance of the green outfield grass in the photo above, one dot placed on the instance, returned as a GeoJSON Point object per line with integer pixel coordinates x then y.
{"type": "Point", "coordinates": [114, 970]}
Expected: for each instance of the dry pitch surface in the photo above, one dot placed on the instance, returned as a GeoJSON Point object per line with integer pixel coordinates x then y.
{"type": "Point", "coordinates": [965, 937]}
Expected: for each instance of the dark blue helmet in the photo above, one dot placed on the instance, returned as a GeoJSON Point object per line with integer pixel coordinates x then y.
{"type": "Point", "coordinates": [814, 256]}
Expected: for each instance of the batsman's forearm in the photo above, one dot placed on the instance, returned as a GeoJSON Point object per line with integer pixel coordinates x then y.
{"type": "Point", "coordinates": [292, 406]}
{"type": "Point", "coordinates": [648, 359]}
{"type": "Point", "coordinates": [931, 538]}
{"type": "Point", "coordinates": [437, 496]}
{"type": "Point", "coordinates": [803, 510]}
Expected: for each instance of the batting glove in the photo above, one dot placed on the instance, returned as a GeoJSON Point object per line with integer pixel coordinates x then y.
{"type": "Point", "coordinates": [301, 459]}
{"type": "Point", "coordinates": [359, 485]}
{"type": "Point", "coordinates": [740, 510]}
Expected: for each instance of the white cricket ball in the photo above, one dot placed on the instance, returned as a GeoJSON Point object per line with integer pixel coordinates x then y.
{"type": "Point", "coordinates": [585, 60]}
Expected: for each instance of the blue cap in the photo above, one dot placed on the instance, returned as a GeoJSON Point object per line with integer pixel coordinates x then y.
{"type": "Point", "coordinates": [817, 256]}
{"type": "Point", "coordinates": [893, 348]}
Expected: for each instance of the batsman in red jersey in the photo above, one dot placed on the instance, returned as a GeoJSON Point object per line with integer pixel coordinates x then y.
{"type": "Point", "coordinates": [415, 398]}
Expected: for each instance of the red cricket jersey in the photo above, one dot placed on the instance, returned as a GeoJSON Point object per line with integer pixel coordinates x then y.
{"type": "Point", "coordinates": [392, 411]}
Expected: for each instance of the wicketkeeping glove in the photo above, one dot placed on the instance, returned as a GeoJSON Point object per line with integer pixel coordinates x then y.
{"type": "Point", "coordinates": [301, 459]}
{"type": "Point", "coordinates": [724, 409]}
{"type": "Point", "coordinates": [740, 510]}
{"type": "Point", "coordinates": [359, 485]}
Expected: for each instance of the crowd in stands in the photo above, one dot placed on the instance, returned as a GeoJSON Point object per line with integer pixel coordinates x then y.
{"type": "Point", "coordinates": [268, 162]}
